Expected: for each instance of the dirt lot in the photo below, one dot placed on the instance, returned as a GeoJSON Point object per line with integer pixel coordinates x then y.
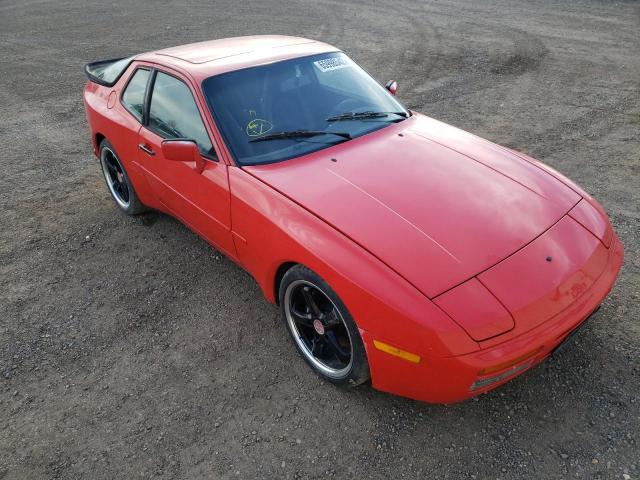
{"type": "Point", "coordinates": [129, 348]}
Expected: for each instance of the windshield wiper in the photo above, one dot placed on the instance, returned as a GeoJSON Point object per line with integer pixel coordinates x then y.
{"type": "Point", "coordinates": [299, 134]}
{"type": "Point", "coordinates": [361, 115]}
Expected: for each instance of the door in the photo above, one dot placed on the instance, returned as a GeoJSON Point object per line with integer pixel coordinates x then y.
{"type": "Point", "coordinates": [200, 200]}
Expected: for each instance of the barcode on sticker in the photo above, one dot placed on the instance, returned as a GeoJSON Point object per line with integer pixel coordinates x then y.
{"type": "Point", "coordinates": [333, 63]}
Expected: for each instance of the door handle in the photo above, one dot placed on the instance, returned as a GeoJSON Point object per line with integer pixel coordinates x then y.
{"type": "Point", "coordinates": [146, 149]}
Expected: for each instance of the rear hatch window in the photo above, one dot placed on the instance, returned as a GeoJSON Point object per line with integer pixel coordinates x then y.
{"type": "Point", "coordinates": [107, 72]}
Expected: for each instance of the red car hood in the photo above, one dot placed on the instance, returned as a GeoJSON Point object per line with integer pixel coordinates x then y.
{"type": "Point", "coordinates": [434, 203]}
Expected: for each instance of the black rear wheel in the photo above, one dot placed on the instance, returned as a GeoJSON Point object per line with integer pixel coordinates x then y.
{"type": "Point", "coordinates": [321, 327]}
{"type": "Point", "coordinates": [118, 181]}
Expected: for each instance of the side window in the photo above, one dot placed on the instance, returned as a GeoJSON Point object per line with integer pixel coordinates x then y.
{"type": "Point", "coordinates": [133, 96]}
{"type": "Point", "coordinates": [173, 113]}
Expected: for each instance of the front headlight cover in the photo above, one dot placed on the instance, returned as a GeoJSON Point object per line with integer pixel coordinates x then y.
{"type": "Point", "coordinates": [472, 306]}
{"type": "Point", "coordinates": [593, 220]}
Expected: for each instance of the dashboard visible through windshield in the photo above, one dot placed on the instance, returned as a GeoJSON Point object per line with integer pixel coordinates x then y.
{"type": "Point", "coordinates": [274, 112]}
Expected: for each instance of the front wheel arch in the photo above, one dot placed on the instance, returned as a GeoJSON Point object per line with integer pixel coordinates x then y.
{"type": "Point", "coordinates": [277, 279]}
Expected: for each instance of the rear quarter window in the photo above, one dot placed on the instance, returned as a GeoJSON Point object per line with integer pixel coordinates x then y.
{"type": "Point", "coordinates": [133, 96]}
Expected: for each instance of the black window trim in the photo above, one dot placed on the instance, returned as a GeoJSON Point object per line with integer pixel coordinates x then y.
{"type": "Point", "coordinates": [144, 98]}
{"type": "Point", "coordinates": [147, 107]}
{"type": "Point", "coordinates": [147, 98]}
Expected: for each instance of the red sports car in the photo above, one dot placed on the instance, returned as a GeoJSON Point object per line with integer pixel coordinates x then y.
{"type": "Point", "coordinates": [400, 249]}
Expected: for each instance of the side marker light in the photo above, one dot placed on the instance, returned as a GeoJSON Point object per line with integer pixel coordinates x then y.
{"type": "Point", "coordinates": [408, 356]}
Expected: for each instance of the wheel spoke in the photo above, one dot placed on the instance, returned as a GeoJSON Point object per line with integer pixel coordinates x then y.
{"type": "Point", "coordinates": [332, 319]}
{"type": "Point", "coordinates": [331, 341]}
{"type": "Point", "coordinates": [316, 345]}
{"type": "Point", "coordinates": [113, 173]}
{"type": "Point", "coordinates": [311, 303]}
{"type": "Point", "coordinates": [305, 319]}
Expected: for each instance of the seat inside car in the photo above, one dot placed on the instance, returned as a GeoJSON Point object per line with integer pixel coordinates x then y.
{"type": "Point", "coordinates": [289, 97]}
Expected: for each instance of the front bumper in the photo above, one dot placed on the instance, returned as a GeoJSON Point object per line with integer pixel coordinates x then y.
{"type": "Point", "coordinates": [449, 379]}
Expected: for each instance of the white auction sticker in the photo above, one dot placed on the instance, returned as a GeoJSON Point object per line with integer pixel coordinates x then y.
{"type": "Point", "coordinates": [333, 63]}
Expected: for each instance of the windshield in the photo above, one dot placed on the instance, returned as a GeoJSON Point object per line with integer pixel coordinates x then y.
{"type": "Point", "coordinates": [291, 103]}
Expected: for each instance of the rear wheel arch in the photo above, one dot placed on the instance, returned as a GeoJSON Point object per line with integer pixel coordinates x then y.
{"type": "Point", "coordinates": [99, 137]}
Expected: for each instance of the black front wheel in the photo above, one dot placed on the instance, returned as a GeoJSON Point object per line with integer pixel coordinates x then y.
{"type": "Point", "coordinates": [321, 328]}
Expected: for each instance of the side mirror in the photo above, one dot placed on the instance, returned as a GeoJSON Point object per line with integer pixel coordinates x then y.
{"type": "Point", "coordinates": [183, 150]}
{"type": "Point", "coordinates": [392, 86]}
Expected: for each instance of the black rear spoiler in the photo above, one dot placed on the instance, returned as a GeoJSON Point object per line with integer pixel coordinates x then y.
{"type": "Point", "coordinates": [107, 72]}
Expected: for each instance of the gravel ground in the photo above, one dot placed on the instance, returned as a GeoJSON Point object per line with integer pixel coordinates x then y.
{"type": "Point", "coordinates": [129, 348]}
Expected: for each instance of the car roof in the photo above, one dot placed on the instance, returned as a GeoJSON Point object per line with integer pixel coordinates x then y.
{"type": "Point", "coordinates": [213, 57]}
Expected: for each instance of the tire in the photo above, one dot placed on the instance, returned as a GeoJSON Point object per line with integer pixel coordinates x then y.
{"type": "Point", "coordinates": [322, 328]}
{"type": "Point", "coordinates": [118, 181]}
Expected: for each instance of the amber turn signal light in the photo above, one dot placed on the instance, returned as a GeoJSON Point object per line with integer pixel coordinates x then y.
{"type": "Point", "coordinates": [502, 366]}
{"type": "Point", "coordinates": [408, 356]}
